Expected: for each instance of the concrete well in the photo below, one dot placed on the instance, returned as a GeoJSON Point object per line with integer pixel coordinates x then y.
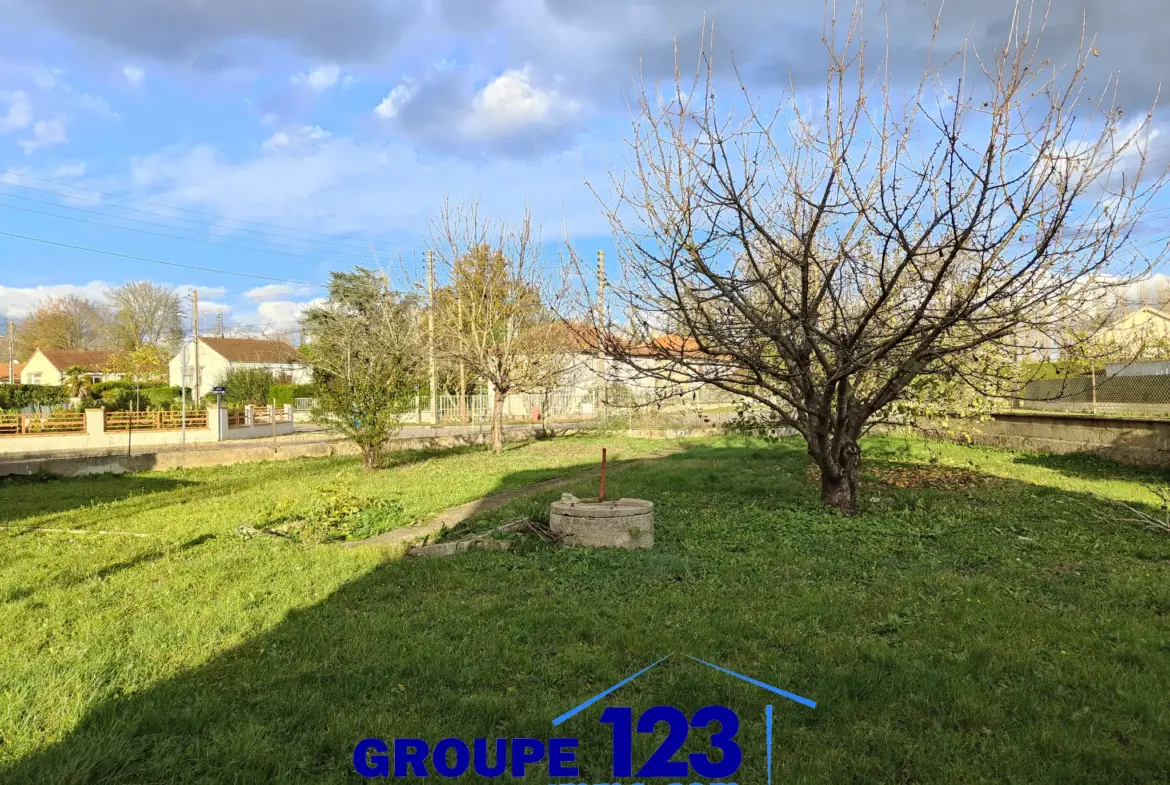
{"type": "Point", "coordinates": [625, 523]}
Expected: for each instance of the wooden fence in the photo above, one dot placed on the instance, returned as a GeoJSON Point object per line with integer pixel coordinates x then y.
{"type": "Point", "coordinates": [154, 420]}
{"type": "Point", "coordinates": [43, 424]}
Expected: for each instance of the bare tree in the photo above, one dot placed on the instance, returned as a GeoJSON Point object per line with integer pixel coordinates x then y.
{"type": "Point", "coordinates": [818, 255]}
{"type": "Point", "coordinates": [493, 312]}
{"type": "Point", "coordinates": [145, 313]}
{"type": "Point", "coordinates": [68, 322]}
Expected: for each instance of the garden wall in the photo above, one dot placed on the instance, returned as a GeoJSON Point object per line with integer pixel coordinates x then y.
{"type": "Point", "coordinates": [226, 456]}
{"type": "Point", "coordinates": [95, 431]}
{"type": "Point", "coordinates": [1128, 440]}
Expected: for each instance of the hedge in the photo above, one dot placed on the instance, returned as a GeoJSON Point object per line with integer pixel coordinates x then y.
{"type": "Point", "coordinates": [19, 396]}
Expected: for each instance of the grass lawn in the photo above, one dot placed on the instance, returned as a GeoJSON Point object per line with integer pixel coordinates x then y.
{"type": "Point", "coordinates": [973, 624]}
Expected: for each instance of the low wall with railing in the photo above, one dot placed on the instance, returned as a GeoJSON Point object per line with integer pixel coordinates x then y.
{"type": "Point", "coordinates": [97, 429]}
{"type": "Point", "coordinates": [1142, 442]}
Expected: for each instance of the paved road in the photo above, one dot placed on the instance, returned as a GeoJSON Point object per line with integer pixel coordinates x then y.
{"type": "Point", "coordinates": [305, 433]}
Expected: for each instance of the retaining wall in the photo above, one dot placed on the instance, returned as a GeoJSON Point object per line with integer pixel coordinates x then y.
{"type": "Point", "coordinates": [1128, 440]}
{"type": "Point", "coordinates": [226, 456]}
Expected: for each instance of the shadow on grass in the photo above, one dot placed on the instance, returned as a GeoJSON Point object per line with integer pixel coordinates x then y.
{"type": "Point", "coordinates": [72, 579]}
{"type": "Point", "coordinates": [29, 497]}
{"type": "Point", "coordinates": [750, 574]}
{"type": "Point", "coordinates": [1092, 466]}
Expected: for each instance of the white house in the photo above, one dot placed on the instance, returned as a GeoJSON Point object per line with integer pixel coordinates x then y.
{"type": "Point", "coordinates": [48, 366]}
{"type": "Point", "coordinates": [217, 356]}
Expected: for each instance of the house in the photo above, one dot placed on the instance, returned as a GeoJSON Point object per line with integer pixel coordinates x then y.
{"type": "Point", "coordinates": [217, 356]}
{"type": "Point", "coordinates": [1146, 324]}
{"type": "Point", "coordinates": [48, 366]}
{"type": "Point", "coordinates": [15, 375]}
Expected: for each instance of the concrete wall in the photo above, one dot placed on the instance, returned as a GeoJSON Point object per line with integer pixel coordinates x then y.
{"type": "Point", "coordinates": [1134, 441]}
{"type": "Point", "coordinates": [96, 437]}
{"type": "Point", "coordinates": [226, 456]}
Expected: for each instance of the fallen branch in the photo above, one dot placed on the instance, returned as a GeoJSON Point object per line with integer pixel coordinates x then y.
{"type": "Point", "coordinates": [486, 540]}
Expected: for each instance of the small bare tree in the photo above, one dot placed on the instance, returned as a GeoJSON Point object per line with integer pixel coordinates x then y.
{"type": "Point", "coordinates": [818, 256]}
{"type": "Point", "coordinates": [145, 313]}
{"type": "Point", "coordinates": [493, 311]}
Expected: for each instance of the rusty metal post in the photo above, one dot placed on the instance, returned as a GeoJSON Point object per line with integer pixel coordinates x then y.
{"type": "Point", "coordinates": [602, 493]}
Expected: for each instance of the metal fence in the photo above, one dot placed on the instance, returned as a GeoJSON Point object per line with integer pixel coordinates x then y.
{"type": "Point", "coordinates": [1144, 396]}
{"type": "Point", "coordinates": [478, 408]}
{"type": "Point", "coordinates": [566, 403]}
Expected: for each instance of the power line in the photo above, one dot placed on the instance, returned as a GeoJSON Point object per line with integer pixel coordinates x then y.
{"type": "Point", "coordinates": [156, 204]}
{"type": "Point", "coordinates": [159, 261]}
{"type": "Point", "coordinates": [204, 224]}
{"type": "Point", "coordinates": [172, 236]}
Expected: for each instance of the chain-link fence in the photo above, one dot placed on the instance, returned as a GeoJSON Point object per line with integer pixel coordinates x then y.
{"type": "Point", "coordinates": [1101, 393]}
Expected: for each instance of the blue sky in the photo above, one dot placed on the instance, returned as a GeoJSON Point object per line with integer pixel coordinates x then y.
{"type": "Point", "coordinates": [307, 131]}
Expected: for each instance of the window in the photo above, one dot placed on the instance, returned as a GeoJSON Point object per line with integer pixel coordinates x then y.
{"type": "Point", "coordinates": [34, 378]}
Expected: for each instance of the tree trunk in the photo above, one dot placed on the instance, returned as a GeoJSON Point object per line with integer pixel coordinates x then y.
{"type": "Point", "coordinates": [371, 457]}
{"type": "Point", "coordinates": [498, 423]}
{"type": "Point", "coordinates": [840, 483]}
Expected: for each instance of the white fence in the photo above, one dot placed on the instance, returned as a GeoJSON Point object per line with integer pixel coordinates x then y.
{"type": "Point", "coordinates": [478, 407]}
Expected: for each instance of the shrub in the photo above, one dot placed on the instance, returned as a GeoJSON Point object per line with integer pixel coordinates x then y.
{"type": "Point", "coordinates": [245, 386]}
{"type": "Point", "coordinates": [124, 384]}
{"type": "Point", "coordinates": [15, 397]}
{"type": "Point", "coordinates": [163, 398]}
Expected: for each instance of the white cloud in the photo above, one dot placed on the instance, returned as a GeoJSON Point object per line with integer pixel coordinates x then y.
{"type": "Point", "coordinates": [390, 106]}
{"type": "Point", "coordinates": [209, 307]}
{"type": "Point", "coordinates": [295, 139]}
{"type": "Point", "coordinates": [342, 185]}
{"type": "Point", "coordinates": [68, 171]}
{"type": "Point", "coordinates": [18, 113]}
{"type": "Point", "coordinates": [17, 302]}
{"type": "Point", "coordinates": [274, 315]}
{"type": "Point", "coordinates": [319, 79]}
{"type": "Point", "coordinates": [45, 78]}
{"type": "Point", "coordinates": [276, 291]}
{"type": "Point", "coordinates": [510, 102]}
{"type": "Point", "coordinates": [285, 312]}
{"type": "Point", "coordinates": [207, 292]}
{"type": "Point", "coordinates": [134, 75]}
{"type": "Point", "coordinates": [44, 134]}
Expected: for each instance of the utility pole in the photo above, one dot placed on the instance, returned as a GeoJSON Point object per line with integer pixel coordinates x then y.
{"type": "Point", "coordinates": [464, 419]}
{"type": "Point", "coordinates": [11, 354]}
{"type": "Point", "coordinates": [431, 336]}
{"type": "Point", "coordinates": [219, 324]}
{"type": "Point", "coordinates": [602, 367]}
{"type": "Point", "coordinates": [195, 331]}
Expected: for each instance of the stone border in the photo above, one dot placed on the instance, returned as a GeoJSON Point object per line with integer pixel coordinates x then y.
{"type": "Point", "coordinates": [453, 516]}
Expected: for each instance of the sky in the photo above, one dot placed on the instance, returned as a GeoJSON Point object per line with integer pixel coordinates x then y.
{"type": "Point", "coordinates": [271, 142]}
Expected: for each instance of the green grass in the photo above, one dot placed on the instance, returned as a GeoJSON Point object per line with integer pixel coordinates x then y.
{"type": "Point", "coordinates": [990, 633]}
